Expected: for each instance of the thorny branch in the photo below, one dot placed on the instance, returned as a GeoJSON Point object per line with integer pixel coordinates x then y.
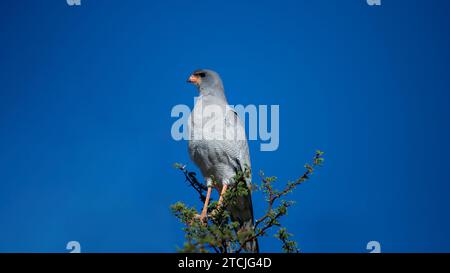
{"type": "Point", "coordinates": [193, 181]}
{"type": "Point", "coordinates": [220, 234]}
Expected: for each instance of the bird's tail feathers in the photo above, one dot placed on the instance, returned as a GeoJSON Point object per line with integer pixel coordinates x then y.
{"type": "Point", "coordinates": [242, 212]}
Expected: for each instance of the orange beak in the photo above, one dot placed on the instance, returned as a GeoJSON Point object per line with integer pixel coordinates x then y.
{"type": "Point", "coordinates": [194, 79]}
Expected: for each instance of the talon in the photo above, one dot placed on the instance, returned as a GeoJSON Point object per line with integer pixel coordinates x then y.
{"type": "Point", "coordinates": [200, 217]}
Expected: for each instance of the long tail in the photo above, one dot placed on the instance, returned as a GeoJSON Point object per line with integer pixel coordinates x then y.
{"type": "Point", "coordinates": [242, 212]}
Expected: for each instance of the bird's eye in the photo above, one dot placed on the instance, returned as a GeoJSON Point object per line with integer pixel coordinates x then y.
{"type": "Point", "coordinates": [202, 74]}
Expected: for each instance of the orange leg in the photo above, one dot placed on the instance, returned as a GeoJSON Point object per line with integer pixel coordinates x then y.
{"type": "Point", "coordinates": [205, 206]}
{"type": "Point", "coordinates": [224, 189]}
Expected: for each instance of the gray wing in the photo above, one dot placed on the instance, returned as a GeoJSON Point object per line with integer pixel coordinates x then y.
{"type": "Point", "coordinates": [240, 144]}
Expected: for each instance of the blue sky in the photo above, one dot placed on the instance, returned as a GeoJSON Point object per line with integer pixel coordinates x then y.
{"type": "Point", "coordinates": [86, 93]}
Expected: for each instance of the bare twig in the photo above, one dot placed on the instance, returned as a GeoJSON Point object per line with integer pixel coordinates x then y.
{"type": "Point", "coordinates": [193, 181]}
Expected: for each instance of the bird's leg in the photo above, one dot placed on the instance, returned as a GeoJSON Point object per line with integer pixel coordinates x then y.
{"type": "Point", "coordinates": [205, 206]}
{"type": "Point", "coordinates": [224, 189]}
{"type": "Point", "coordinates": [219, 203]}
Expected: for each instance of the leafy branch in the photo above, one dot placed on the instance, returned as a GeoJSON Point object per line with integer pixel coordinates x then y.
{"type": "Point", "coordinates": [220, 234]}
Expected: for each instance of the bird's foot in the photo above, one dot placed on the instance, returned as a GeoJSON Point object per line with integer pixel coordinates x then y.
{"type": "Point", "coordinates": [201, 217]}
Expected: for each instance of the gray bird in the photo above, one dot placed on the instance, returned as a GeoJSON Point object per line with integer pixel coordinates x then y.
{"type": "Point", "coordinates": [218, 146]}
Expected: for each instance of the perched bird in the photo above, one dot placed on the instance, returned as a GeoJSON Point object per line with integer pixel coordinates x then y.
{"type": "Point", "coordinates": [218, 146]}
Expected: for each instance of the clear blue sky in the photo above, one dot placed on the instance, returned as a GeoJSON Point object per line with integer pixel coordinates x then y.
{"type": "Point", "coordinates": [86, 94]}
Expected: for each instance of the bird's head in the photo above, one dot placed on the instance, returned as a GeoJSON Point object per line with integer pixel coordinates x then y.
{"type": "Point", "coordinates": [208, 82]}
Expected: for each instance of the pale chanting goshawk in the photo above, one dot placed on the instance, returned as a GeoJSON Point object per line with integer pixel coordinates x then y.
{"type": "Point", "coordinates": [218, 146]}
